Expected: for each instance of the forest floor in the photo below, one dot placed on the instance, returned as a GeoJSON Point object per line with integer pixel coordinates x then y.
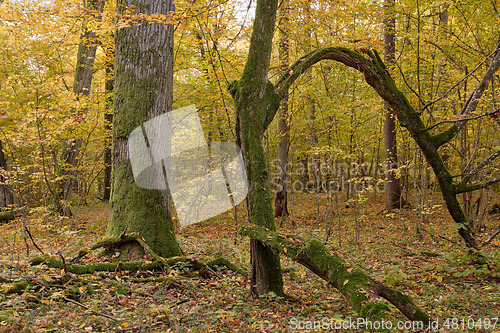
{"type": "Point", "coordinates": [430, 266]}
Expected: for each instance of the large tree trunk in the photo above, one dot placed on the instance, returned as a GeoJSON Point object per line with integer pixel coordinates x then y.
{"type": "Point", "coordinates": [256, 104]}
{"type": "Point", "coordinates": [143, 90]}
{"type": "Point", "coordinates": [392, 183]}
{"type": "Point", "coordinates": [81, 87]}
{"type": "Point", "coordinates": [281, 181]}
{"type": "Point", "coordinates": [360, 290]}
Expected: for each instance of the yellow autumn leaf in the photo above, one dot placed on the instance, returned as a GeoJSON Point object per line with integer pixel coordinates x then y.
{"type": "Point", "coordinates": [345, 282]}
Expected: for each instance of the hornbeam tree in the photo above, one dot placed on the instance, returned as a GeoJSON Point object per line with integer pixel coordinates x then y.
{"type": "Point", "coordinates": [256, 103]}
{"type": "Point", "coordinates": [257, 100]}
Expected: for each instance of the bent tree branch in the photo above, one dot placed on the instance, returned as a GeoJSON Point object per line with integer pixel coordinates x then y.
{"type": "Point", "coordinates": [473, 100]}
{"type": "Point", "coordinates": [360, 290]}
{"type": "Point", "coordinates": [376, 75]}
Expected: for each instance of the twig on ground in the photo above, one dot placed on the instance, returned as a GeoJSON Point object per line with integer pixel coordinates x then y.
{"type": "Point", "coordinates": [93, 311]}
{"type": "Point", "coordinates": [491, 238]}
{"type": "Point", "coordinates": [32, 239]}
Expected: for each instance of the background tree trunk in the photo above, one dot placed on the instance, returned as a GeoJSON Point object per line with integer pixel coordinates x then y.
{"type": "Point", "coordinates": [310, 106]}
{"type": "Point", "coordinates": [281, 199]}
{"type": "Point", "coordinates": [392, 183]}
{"type": "Point", "coordinates": [108, 118]}
{"type": "Point", "coordinates": [81, 87]}
{"type": "Point", "coordinates": [6, 196]}
{"type": "Point", "coordinates": [143, 90]}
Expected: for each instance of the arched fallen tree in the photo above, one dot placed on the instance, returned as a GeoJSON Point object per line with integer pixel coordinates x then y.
{"type": "Point", "coordinates": [360, 290]}
{"type": "Point", "coordinates": [257, 101]}
{"type": "Point", "coordinates": [377, 76]}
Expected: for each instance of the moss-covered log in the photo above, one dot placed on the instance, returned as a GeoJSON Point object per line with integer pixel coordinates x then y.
{"type": "Point", "coordinates": [6, 216]}
{"type": "Point", "coordinates": [100, 266]}
{"type": "Point", "coordinates": [360, 290]}
{"type": "Point", "coordinates": [159, 263]}
{"type": "Point", "coordinates": [224, 262]}
{"type": "Point", "coordinates": [17, 288]}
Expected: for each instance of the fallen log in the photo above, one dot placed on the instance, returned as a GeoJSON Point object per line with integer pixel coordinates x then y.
{"type": "Point", "coordinates": [360, 290]}
{"type": "Point", "coordinates": [224, 262]}
{"type": "Point", "coordinates": [100, 266]}
{"type": "Point", "coordinates": [6, 217]}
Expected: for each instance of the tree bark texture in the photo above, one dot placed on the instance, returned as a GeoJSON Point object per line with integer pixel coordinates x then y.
{"type": "Point", "coordinates": [143, 90]}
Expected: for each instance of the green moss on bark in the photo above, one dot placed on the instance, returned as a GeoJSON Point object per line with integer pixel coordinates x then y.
{"type": "Point", "coordinates": [143, 90]}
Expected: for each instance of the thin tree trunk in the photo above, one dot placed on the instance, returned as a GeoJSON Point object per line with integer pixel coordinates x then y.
{"type": "Point", "coordinates": [81, 87]}
{"type": "Point", "coordinates": [392, 183]}
{"type": "Point", "coordinates": [6, 196]}
{"type": "Point", "coordinates": [313, 141]}
{"type": "Point", "coordinates": [311, 109]}
{"type": "Point", "coordinates": [281, 199]}
{"type": "Point", "coordinates": [143, 90]}
{"type": "Point", "coordinates": [108, 119]}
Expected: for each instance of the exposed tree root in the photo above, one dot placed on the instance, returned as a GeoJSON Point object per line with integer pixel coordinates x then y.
{"type": "Point", "coordinates": [116, 242]}
{"type": "Point", "coordinates": [360, 290]}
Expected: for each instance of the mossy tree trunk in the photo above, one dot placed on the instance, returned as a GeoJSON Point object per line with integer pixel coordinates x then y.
{"type": "Point", "coordinates": [361, 291]}
{"type": "Point", "coordinates": [256, 104]}
{"type": "Point", "coordinates": [142, 91]}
